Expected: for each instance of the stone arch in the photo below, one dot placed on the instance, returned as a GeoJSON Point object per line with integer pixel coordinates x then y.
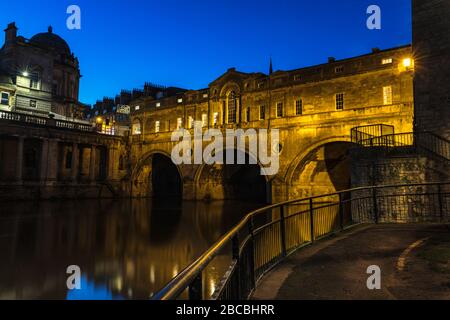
{"type": "Point", "coordinates": [156, 166]}
{"type": "Point", "coordinates": [232, 182]}
{"type": "Point", "coordinates": [323, 167]}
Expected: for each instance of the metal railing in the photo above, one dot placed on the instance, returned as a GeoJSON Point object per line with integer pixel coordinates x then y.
{"type": "Point", "coordinates": [268, 235]}
{"type": "Point", "coordinates": [43, 121]}
{"type": "Point", "coordinates": [419, 142]}
{"type": "Point", "coordinates": [363, 133]}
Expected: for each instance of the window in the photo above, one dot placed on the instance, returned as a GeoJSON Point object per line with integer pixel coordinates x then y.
{"type": "Point", "coordinates": [279, 109]}
{"type": "Point", "coordinates": [4, 98]}
{"type": "Point", "coordinates": [137, 108]}
{"type": "Point", "coordinates": [179, 123]}
{"type": "Point", "coordinates": [387, 95]}
{"type": "Point", "coordinates": [205, 95]}
{"type": "Point", "coordinates": [204, 120]}
{"type": "Point", "coordinates": [215, 118]}
{"type": "Point", "coordinates": [157, 126]}
{"type": "Point", "coordinates": [339, 69]}
{"type": "Point", "coordinates": [158, 104]}
{"type": "Point", "coordinates": [386, 61]}
{"type": "Point", "coordinates": [340, 101]}
{"type": "Point", "coordinates": [33, 104]}
{"type": "Point", "coordinates": [232, 105]}
{"type": "Point", "coordinates": [262, 112]}
{"type": "Point", "coordinates": [190, 122]}
{"type": "Point", "coordinates": [297, 77]}
{"type": "Point", "coordinates": [299, 107]}
{"type": "Point", "coordinates": [34, 80]}
{"type": "Point", "coordinates": [136, 128]}
{"type": "Point", "coordinates": [247, 114]}
{"type": "Point", "coordinates": [260, 85]}
{"type": "Point", "coordinates": [180, 100]}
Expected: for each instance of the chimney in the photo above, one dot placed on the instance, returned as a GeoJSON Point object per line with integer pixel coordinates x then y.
{"type": "Point", "coordinates": [331, 59]}
{"type": "Point", "coordinates": [11, 33]}
{"type": "Point", "coordinates": [375, 50]}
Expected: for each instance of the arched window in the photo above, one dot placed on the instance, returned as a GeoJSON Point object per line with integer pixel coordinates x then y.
{"type": "Point", "coordinates": [232, 106]}
{"type": "Point", "coordinates": [136, 128]}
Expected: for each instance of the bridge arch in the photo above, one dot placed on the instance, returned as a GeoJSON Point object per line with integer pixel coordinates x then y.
{"type": "Point", "coordinates": [155, 175]}
{"type": "Point", "coordinates": [233, 181]}
{"type": "Point", "coordinates": [323, 167]}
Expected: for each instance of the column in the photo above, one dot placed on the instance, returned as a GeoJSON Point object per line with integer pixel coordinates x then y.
{"type": "Point", "coordinates": [111, 163]}
{"type": "Point", "coordinates": [19, 158]}
{"type": "Point", "coordinates": [53, 165]}
{"type": "Point", "coordinates": [75, 158]}
{"type": "Point", "coordinates": [92, 164]}
{"type": "Point", "coordinates": [43, 165]}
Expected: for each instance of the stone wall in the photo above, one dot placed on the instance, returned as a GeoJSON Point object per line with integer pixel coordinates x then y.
{"type": "Point", "coordinates": [431, 45]}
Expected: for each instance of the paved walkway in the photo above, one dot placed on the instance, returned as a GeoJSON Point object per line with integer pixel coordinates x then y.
{"type": "Point", "coordinates": [414, 262]}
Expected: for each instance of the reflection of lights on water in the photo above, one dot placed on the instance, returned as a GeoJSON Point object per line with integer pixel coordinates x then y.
{"type": "Point", "coordinates": [130, 293]}
{"type": "Point", "coordinates": [118, 283]}
{"type": "Point", "coordinates": [175, 271]}
{"type": "Point", "coordinates": [212, 287]}
{"type": "Point", "coordinates": [152, 274]}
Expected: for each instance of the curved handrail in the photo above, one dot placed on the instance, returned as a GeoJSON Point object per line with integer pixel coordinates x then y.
{"type": "Point", "coordinates": [183, 280]}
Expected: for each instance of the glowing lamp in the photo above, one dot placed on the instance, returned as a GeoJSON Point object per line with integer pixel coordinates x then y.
{"type": "Point", "coordinates": [407, 62]}
{"type": "Point", "coordinates": [25, 73]}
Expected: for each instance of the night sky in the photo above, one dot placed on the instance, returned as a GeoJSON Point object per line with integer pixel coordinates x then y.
{"type": "Point", "coordinates": [188, 44]}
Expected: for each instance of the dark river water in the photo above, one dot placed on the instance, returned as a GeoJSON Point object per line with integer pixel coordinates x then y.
{"type": "Point", "coordinates": [125, 249]}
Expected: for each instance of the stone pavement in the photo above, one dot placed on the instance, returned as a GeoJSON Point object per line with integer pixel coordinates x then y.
{"type": "Point", "coordinates": [414, 262]}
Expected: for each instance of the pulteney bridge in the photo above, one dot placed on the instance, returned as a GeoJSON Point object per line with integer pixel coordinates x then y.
{"type": "Point", "coordinates": [314, 109]}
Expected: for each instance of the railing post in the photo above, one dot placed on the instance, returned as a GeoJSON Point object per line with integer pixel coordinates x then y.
{"type": "Point", "coordinates": [441, 209]}
{"type": "Point", "coordinates": [375, 205]}
{"type": "Point", "coordinates": [252, 254]}
{"type": "Point", "coordinates": [236, 257]}
{"type": "Point", "coordinates": [341, 211]}
{"type": "Point", "coordinates": [196, 288]}
{"type": "Point", "coordinates": [311, 218]}
{"type": "Point", "coordinates": [283, 232]}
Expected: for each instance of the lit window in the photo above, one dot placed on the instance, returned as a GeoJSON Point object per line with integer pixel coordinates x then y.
{"type": "Point", "coordinates": [136, 128]}
{"type": "Point", "coordinates": [386, 61]}
{"type": "Point", "coordinates": [262, 112]}
{"type": "Point", "coordinates": [299, 107]}
{"type": "Point", "coordinates": [204, 120]}
{"type": "Point", "coordinates": [180, 100]}
{"type": "Point", "coordinates": [340, 101]}
{"type": "Point", "coordinates": [297, 77]}
{"type": "Point", "coordinates": [279, 109]}
{"type": "Point", "coordinates": [137, 108]}
{"type": "Point", "coordinates": [232, 106]}
{"type": "Point", "coordinates": [34, 80]}
{"type": "Point", "coordinates": [190, 122]}
{"type": "Point", "coordinates": [387, 95]}
{"type": "Point", "coordinates": [179, 123]}
{"type": "Point", "coordinates": [4, 98]}
{"type": "Point", "coordinates": [158, 104]}
{"type": "Point", "coordinates": [205, 95]}
{"type": "Point", "coordinates": [157, 126]}
{"type": "Point", "coordinates": [216, 119]}
{"type": "Point", "coordinates": [33, 103]}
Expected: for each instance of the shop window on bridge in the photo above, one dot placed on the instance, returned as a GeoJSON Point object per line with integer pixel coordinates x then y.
{"type": "Point", "coordinates": [136, 128]}
{"type": "Point", "coordinates": [387, 95]}
{"type": "Point", "coordinates": [232, 106]}
{"type": "Point", "coordinates": [279, 109]}
{"type": "Point", "coordinates": [299, 107]}
{"type": "Point", "coordinates": [262, 112]}
{"type": "Point", "coordinates": [340, 101]}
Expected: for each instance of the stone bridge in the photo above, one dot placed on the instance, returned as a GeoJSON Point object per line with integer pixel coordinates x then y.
{"type": "Point", "coordinates": [314, 109]}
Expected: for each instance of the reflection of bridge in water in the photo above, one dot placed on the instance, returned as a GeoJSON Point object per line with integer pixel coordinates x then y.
{"type": "Point", "coordinates": [131, 247]}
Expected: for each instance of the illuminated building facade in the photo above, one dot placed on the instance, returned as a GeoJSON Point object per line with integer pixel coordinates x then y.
{"type": "Point", "coordinates": [39, 76]}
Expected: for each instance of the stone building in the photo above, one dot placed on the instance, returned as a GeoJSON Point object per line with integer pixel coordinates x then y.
{"type": "Point", "coordinates": [431, 38]}
{"type": "Point", "coordinates": [39, 75]}
{"type": "Point", "coordinates": [314, 108]}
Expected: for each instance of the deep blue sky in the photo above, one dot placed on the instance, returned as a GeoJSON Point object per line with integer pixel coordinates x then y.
{"type": "Point", "coordinates": [189, 43]}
